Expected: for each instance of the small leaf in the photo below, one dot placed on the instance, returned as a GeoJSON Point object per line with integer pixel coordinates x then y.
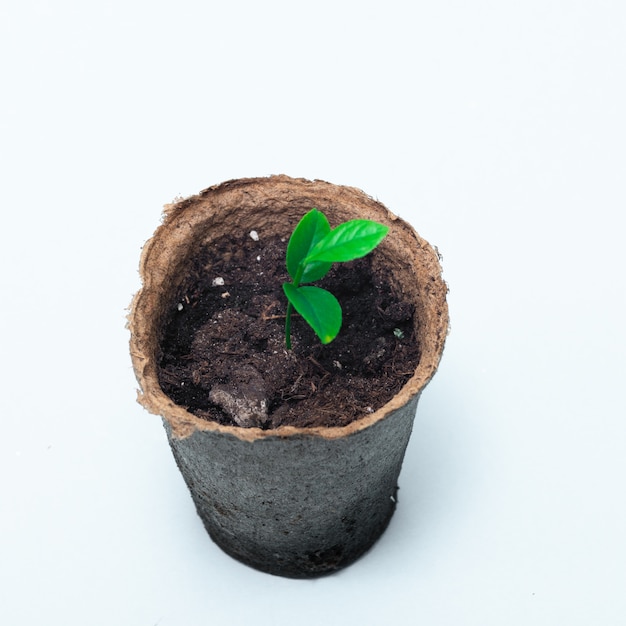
{"type": "Point", "coordinates": [311, 229]}
{"type": "Point", "coordinates": [318, 307]}
{"type": "Point", "coordinates": [350, 240]}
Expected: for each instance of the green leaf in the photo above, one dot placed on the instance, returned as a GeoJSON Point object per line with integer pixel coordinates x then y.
{"type": "Point", "coordinates": [350, 240]}
{"type": "Point", "coordinates": [318, 307]}
{"type": "Point", "coordinates": [311, 229]}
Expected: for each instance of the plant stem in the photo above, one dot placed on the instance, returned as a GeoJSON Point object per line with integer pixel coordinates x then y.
{"type": "Point", "coordinates": [296, 283]}
{"type": "Point", "coordinates": [288, 326]}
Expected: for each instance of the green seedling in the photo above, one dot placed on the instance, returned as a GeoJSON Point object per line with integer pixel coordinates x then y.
{"type": "Point", "coordinates": [312, 249]}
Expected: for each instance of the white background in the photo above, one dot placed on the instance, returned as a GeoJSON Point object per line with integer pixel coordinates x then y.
{"type": "Point", "coordinates": [496, 128]}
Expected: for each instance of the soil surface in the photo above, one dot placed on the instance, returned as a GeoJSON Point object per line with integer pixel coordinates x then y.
{"type": "Point", "coordinates": [223, 354]}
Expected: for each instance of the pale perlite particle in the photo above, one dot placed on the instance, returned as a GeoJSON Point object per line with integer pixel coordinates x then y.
{"type": "Point", "coordinates": [254, 235]}
{"type": "Point", "coordinates": [218, 282]}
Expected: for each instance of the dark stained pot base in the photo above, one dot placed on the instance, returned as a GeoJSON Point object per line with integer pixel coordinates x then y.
{"type": "Point", "coordinates": [299, 506]}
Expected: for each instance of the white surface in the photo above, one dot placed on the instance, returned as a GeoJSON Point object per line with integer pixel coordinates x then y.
{"type": "Point", "coordinates": [497, 129]}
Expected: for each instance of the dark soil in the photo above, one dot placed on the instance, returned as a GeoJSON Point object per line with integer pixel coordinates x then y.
{"type": "Point", "coordinates": [223, 354]}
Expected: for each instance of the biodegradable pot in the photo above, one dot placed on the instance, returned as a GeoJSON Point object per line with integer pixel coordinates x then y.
{"type": "Point", "coordinates": [297, 502]}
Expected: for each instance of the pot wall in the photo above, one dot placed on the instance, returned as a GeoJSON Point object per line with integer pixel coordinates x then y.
{"type": "Point", "coordinates": [297, 506]}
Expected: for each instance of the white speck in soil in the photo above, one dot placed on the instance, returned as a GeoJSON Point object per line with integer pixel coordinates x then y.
{"type": "Point", "coordinates": [218, 282]}
{"type": "Point", "coordinates": [180, 306]}
{"type": "Point", "coordinates": [254, 235]}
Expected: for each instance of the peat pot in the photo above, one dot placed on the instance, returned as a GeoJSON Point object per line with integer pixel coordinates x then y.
{"type": "Point", "coordinates": [296, 502]}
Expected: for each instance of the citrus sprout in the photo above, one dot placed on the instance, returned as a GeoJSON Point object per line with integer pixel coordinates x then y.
{"type": "Point", "coordinates": [312, 249]}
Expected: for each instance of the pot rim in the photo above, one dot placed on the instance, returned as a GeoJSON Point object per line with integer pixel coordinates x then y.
{"type": "Point", "coordinates": [182, 422]}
